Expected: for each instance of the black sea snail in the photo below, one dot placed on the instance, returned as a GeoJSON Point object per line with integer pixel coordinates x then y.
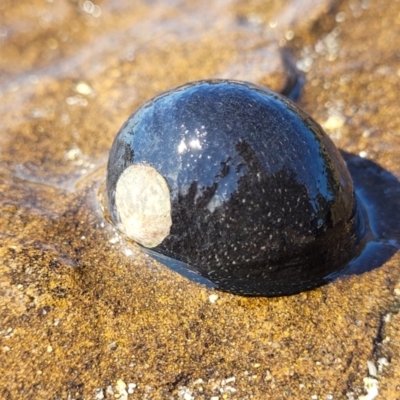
{"type": "Point", "coordinates": [237, 183]}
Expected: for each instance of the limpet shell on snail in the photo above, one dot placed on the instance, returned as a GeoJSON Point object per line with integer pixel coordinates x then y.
{"type": "Point", "coordinates": [238, 185]}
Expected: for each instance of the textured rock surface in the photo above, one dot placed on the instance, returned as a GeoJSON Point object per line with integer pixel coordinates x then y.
{"type": "Point", "coordinates": [85, 315]}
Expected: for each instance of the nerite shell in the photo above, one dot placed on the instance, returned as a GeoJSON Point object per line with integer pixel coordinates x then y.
{"type": "Point", "coordinates": [237, 183]}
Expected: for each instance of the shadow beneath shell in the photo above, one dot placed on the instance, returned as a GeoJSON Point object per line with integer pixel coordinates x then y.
{"type": "Point", "coordinates": [379, 193]}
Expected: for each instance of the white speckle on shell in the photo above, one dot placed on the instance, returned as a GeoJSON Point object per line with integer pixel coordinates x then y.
{"type": "Point", "coordinates": [143, 204]}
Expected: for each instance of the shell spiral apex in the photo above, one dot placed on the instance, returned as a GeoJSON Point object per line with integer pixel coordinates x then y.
{"type": "Point", "coordinates": [238, 184]}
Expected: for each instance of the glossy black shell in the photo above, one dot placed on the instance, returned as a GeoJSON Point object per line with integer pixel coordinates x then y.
{"type": "Point", "coordinates": [261, 200]}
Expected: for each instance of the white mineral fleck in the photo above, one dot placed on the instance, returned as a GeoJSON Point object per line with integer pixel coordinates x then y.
{"type": "Point", "coordinates": [128, 252]}
{"type": "Point", "coordinates": [121, 385]}
{"type": "Point", "coordinates": [371, 386]}
{"type": "Point", "coordinates": [363, 154]}
{"type": "Point", "coordinates": [371, 368]}
{"type": "Point", "coordinates": [131, 387]}
{"type": "Point", "coordinates": [387, 318]}
{"type": "Point", "coordinates": [334, 122]}
{"type": "Point", "coordinates": [366, 133]}
{"type": "Point", "coordinates": [213, 298]}
{"type": "Point", "coordinates": [83, 88]}
{"type": "Point", "coordinates": [184, 393]}
{"type": "Point", "coordinates": [121, 388]}
{"type": "Point", "coordinates": [382, 362]}
{"type": "Point", "coordinates": [110, 390]}
{"type": "Point", "coordinates": [340, 17]}
{"type": "Point", "coordinates": [114, 240]}
{"type": "Point", "coordinates": [76, 101]}
{"type": "Point", "coordinates": [230, 389]}
{"type": "Point", "coordinates": [73, 154]}
{"type": "Point", "coordinates": [99, 394]}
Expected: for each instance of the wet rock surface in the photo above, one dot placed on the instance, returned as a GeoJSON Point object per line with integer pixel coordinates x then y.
{"type": "Point", "coordinates": [85, 314]}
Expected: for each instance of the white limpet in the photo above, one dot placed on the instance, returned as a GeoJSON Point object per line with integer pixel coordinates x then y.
{"type": "Point", "coordinates": [143, 204]}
